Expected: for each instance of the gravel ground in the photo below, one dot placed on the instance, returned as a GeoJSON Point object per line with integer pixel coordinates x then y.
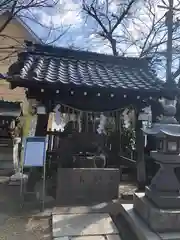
{"type": "Point", "coordinates": [18, 224]}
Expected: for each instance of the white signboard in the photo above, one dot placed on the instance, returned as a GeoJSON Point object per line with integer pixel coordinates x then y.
{"type": "Point", "coordinates": [35, 152]}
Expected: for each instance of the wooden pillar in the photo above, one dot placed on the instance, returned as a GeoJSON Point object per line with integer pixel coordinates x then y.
{"type": "Point", "coordinates": [41, 127]}
{"type": "Point", "coordinates": [140, 162]}
{"type": "Point", "coordinates": [151, 166]}
{"type": "Point", "coordinates": [84, 122]}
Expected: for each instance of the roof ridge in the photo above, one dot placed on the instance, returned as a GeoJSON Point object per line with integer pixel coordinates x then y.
{"type": "Point", "coordinates": [49, 50]}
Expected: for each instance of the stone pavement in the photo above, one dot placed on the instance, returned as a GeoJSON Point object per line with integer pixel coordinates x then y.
{"type": "Point", "coordinates": [27, 223]}
{"type": "Point", "coordinates": [90, 221]}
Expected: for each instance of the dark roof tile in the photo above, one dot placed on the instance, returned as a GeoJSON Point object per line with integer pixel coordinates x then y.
{"type": "Point", "coordinates": [64, 66]}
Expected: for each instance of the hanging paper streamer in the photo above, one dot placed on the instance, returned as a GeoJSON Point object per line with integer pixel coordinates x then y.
{"type": "Point", "coordinates": [85, 120]}
{"type": "Point", "coordinates": [57, 124]}
{"type": "Point", "coordinates": [79, 121]}
{"type": "Point", "coordinates": [101, 127]}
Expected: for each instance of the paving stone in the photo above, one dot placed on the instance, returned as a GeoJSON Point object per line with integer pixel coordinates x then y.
{"type": "Point", "coordinates": [81, 238]}
{"type": "Point", "coordinates": [82, 224]}
{"type": "Point", "coordinates": [106, 237]}
{"type": "Point", "coordinates": [105, 207]}
{"type": "Point", "coordinates": [113, 237]}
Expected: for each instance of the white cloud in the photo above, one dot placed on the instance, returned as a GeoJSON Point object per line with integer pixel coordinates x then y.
{"type": "Point", "coordinates": [66, 13]}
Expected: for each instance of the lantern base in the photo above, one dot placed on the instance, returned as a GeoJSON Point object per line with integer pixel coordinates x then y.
{"type": "Point", "coordinates": [159, 220]}
{"type": "Point", "coordinates": [165, 200]}
{"type": "Point", "coordinates": [133, 224]}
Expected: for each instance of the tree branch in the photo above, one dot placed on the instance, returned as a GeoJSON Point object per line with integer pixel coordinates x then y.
{"type": "Point", "coordinates": [122, 16]}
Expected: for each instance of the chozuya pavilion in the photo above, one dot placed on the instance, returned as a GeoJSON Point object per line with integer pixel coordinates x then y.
{"type": "Point", "coordinates": [87, 82]}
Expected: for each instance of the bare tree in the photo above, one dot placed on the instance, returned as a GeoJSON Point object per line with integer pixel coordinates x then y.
{"type": "Point", "coordinates": [135, 28]}
{"type": "Point", "coordinates": [15, 7]}
{"type": "Point", "coordinates": [108, 19]}
{"type": "Point", "coordinates": [25, 10]}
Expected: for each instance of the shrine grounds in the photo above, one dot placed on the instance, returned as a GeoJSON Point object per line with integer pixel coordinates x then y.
{"type": "Point", "coordinates": [18, 224]}
{"type": "Point", "coordinates": [27, 223]}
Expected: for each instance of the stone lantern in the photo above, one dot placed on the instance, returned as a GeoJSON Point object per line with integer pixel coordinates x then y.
{"type": "Point", "coordinates": [165, 187]}
{"type": "Point", "coordinates": [159, 206]}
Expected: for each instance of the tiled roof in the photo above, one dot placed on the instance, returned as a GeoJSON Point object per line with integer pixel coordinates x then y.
{"type": "Point", "coordinates": [47, 64]}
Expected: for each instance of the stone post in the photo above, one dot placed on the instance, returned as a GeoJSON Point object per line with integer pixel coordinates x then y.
{"type": "Point", "coordinates": [16, 160]}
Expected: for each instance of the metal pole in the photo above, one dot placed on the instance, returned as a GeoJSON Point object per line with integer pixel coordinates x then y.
{"type": "Point", "coordinates": [44, 186]}
{"type": "Point", "coordinates": [44, 176]}
{"type": "Point", "coordinates": [22, 184]}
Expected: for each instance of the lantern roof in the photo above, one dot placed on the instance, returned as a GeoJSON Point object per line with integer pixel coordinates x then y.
{"type": "Point", "coordinates": [167, 124]}
{"type": "Point", "coordinates": [159, 129]}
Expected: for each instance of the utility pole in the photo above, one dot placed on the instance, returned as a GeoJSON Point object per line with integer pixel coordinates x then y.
{"type": "Point", "coordinates": [169, 24]}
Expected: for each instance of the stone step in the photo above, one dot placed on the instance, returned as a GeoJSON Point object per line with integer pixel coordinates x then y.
{"type": "Point", "coordinates": [6, 164]}
{"type": "Point", "coordinates": [6, 156]}
{"type": "Point", "coordinates": [6, 167]}
{"type": "Point", "coordinates": [6, 172]}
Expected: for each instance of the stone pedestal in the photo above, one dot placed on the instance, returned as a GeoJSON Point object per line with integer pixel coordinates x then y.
{"type": "Point", "coordinates": [86, 185]}
{"type": "Point", "coordinates": [164, 188]}
{"type": "Point", "coordinates": [155, 214]}
{"type": "Point", "coordinates": [159, 220]}
{"type": "Point", "coordinates": [147, 221]}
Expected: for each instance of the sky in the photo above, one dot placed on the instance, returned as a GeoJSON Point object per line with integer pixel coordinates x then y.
{"type": "Point", "coordinates": [68, 15]}
{"type": "Point", "coordinates": [66, 18]}
{"type": "Point", "coordinates": [79, 31]}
